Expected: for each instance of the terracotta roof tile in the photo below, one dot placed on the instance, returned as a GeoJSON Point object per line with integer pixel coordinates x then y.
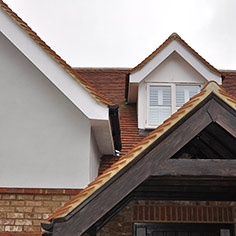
{"type": "Point", "coordinates": [171, 38]}
{"type": "Point", "coordinates": [110, 82]}
{"type": "Point", "coordinates": [94, 92]}
{"type": "Point", "coordinates": [211, 87]}
{"type": "Point", "coordinates": [229, 82]}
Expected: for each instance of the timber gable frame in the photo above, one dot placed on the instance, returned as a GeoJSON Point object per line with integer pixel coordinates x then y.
{"type": "Point", "coordinates": [153, 163]}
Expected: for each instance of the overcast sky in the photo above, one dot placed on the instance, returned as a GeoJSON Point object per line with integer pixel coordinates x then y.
{"type": "Point", "coordinates": [121, 33]}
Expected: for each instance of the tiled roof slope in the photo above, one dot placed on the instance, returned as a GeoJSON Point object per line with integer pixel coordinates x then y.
{"type": "Point", "coordinates": [171, 38]}
{"type": "Point", "coordinates": [229, 82]}
{"type": "Point", "coordinates": [211, 87]}
{"type": "Point", "coordinates": [110, 82]}
{"type": "Point", "coordinates": [92, 91]}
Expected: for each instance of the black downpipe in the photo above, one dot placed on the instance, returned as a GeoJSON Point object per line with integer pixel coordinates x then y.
{"type": "Point", "coordinates": [115, 126]}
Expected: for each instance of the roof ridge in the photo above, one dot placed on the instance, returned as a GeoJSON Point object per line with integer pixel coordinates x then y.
{"type": "Point", "coordinates": [164, 44]}
{"type": "Point", "coordinates": [95, 93]}
{"type": "Point", "coordinates": [210, 87]}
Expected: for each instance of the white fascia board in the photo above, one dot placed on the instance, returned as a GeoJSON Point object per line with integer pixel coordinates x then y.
{"type": "Point", "coordinates": [103, 136]}
{"type": "Point", "coordinates": [52, 70]}
{"type": "Point", "coordinates": [138, 76]}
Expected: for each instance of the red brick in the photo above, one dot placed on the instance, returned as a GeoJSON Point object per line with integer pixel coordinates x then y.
{"type": "Point", "coordinates": [135, 212]}
{"type": "Point", "coordinates": [55, 191]}
{"type": "Point", "coordinates": [6, 222]}
{"type": "Point", "coordinates": [33, 203]}
{"type": "Point", "coordinates": [72, 191]}
{"type": "Point", "coordinates": [146, 212]}
{"type": "Point", "coordinates": [157, 215]}
{"type": "Point", "coordinates": [15, 215]}
{"type": "Point", "coordinates": [31, 228]}
{"type": "Point", "coordinates": [140, 213]}
{"type": "Point", "coordinates": [168, 214]}
{"type": "Point", "coordinates": [204, 211]}
{"type": "Point", "coordinates": [215, 214]}
{"type": "Point", "coordinates": [163, 213]}
{"type": "Point", "coordinates": [230, 214]}
{"type": "Point", "coordinates": [4, 203]}
{"type": "Point", "coordinates": [184, 211]}
{"type": "Point", "coordinates": [189, 210]}
{"type": "Point", "coordinates": [60, 198]}
{"type": "Point", "coordinates": [151, 212]}
{"type": "Point", "coordinates": [32, 191]}
{"type": "Point", "coordinates": [17, 203]}
{"type": "Point", "coordinates": [199, 213]}
{"type": "Point", "coordinates": [42, 210]}
{"type": "Point", "coordinates": [179, 213]}
{"type": "Point", "coordinates": [7, 209]}
{"type": "Point", "coordinates": [25, 197]}
{"type": "Point", "coordinates": [8, 196]}
{"type": "Point", "coordinates": [52, 203]}
{"type": "Point", "coordinates": [3, 215]}
{"type": "Point", "coordinates": [14, 190]}
{"type": "Point", "coordinates": [38, 222]}
{"type": "Point", "coordinates": [194, 209]}
{"type": "Point", "coordinates": [23, 222]}
{"type": "Point", "coordinates": [33, 216]}
{"type": "Point", "coordinates": [220, 214]}
{"type": "Point", "coordinates": [24, 209]}
{"type": "Point", "coordinates": [43, 197]}
{"type": "Point", "coordinates": [173, 213]}
{"type": "Point", "coordinates": [225, 215]}
{"type": "Point", "coordinates": [13, 228]}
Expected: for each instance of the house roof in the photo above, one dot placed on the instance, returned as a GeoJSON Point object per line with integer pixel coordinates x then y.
{"type": "Point", "coordinates": [210, 88]}
{"type": "Point", "coordinates": [112, 83]}
{"type": "Point", "coordinates": [84, 83]}
{"type": "Point", "coordinates": [170, 39]}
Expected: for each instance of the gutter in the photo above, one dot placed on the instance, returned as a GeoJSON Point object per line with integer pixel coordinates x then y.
{"type": "Point", "coordinates": [115, 126]}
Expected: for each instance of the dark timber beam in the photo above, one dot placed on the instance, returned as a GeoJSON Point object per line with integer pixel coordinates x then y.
{"type": "Point", "coordinates": [197, 167]}
{"type": "Point", "coordinates": [132, 175]}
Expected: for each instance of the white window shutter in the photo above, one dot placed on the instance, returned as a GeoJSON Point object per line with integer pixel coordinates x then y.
{"type": "Point", "coordinates": [159, 104]}
{"type": "Point", "coordinates": [184, 93]}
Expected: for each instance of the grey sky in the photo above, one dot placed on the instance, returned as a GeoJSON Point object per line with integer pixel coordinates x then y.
{"type": "Point", "coordinates": [121, 33]}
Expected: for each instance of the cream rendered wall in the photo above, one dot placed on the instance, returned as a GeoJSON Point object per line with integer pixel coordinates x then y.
{"type": "Point", "coordinates": [174, 69]}
{"type": "Point", "coordinates": [44, 138]}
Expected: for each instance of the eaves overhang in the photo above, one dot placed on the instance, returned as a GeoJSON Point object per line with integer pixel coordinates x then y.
{"type": "Point", "coordinates": [89, 100]}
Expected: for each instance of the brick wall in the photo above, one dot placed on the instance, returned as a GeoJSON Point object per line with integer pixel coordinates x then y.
{"type": "Point", "coordinates": [23, 210]}
{"type": "Point", "coordinates": [169, 211]}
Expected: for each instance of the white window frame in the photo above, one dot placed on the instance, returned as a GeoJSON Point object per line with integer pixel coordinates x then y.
{"type": "Point", "coordinates": [173, 98]}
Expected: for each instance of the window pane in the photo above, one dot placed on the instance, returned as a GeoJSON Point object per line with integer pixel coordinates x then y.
{"type": "Point", "coordinates": [160, 95]}
{"type": "Point", "coordinates": [157, 114]}
{"type": "Point", "coordinates": [184, 93]}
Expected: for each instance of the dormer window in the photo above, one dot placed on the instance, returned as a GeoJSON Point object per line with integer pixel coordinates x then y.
{"type": "Point", "coordinates": [165, 99]}
{"type": "Point", "coordinates": [166, 80]}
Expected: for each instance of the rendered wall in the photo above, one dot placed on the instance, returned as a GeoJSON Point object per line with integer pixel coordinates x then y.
{"type": "Point", "coordinates": [45, 139]}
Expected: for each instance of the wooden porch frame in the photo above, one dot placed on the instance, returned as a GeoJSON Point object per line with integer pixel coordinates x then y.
{"type": "Point", "coordinates": [154, 161]}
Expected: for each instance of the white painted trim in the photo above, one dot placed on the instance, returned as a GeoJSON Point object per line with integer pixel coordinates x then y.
{"type": "Point", "coordinates": [52, 70]}
{"type": "Point", "coordinates": [84, 101]}
{"type": "Point", "coordinates": [185, 53]}
{"type": "Point", "coordinates": [143, 122]}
